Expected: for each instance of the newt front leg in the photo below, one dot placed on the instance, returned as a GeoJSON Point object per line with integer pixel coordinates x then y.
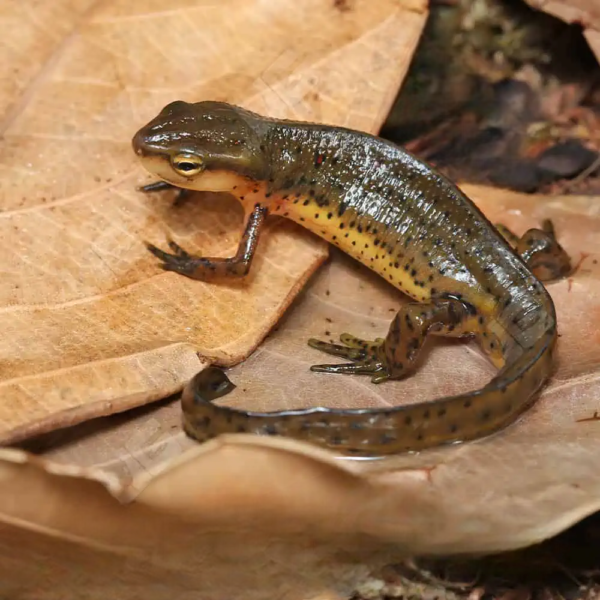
{"type": "Point", "coordinates": [161, 186]}
{"type": "Point", "coordinates": [209, 268]}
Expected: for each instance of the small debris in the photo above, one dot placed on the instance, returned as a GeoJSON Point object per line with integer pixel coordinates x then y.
{"type": "Point", "coordinates": [520, 174]}
{"type": "Point", "coordinates": [567, 159]}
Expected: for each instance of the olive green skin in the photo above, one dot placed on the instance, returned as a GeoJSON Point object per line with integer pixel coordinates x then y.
{"type": "Point", "coordinates": [402, 219]}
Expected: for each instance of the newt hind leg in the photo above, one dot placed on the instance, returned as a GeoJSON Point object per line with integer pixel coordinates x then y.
{"type": "Point", "coordinates": [395, 356]}
{"type": "Point", "coordinates": [540, 250]}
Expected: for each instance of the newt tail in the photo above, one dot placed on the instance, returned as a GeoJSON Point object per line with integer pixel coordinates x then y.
{"type": "Point", "coordinates": [397, 216]}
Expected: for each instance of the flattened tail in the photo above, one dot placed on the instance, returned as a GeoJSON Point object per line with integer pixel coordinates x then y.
{"type": "Point", "coordinates": [381, 431]}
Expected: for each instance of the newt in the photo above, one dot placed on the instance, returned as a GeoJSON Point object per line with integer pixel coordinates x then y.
{"type": "Point", "coordinates": [402, 219]}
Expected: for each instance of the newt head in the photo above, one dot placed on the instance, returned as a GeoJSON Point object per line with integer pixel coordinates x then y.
{"type": "Point", "coordinates": [205, 146]}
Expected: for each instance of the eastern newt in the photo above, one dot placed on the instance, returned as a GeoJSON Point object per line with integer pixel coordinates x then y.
{"type": "Point", "coordinates": [399, 217]}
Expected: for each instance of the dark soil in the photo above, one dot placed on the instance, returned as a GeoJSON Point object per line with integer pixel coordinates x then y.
{"type": "Point", "coordinates": [503, 95]}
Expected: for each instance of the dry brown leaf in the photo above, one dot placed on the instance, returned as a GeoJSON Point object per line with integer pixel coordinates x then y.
{"type": "Point", "coordinates": [259, 498]}
{"type": "Point", "coordinates": [82, 544]}
{"type": "Point", "coordinates": [543, 466]}
{"type": "Point", "coordinates": [243, 516]}
{"type": "Point", "coordinates": [91, 325]}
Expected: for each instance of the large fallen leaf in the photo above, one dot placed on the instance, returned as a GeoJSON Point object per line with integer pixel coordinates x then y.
{"type": "Point", "coordinates": [260, 497]}
{"type": "Point", "coordinates": [243, 516]}
{"type": "Point", "coordinates": [91, 325]}
{"type": "Point", "coordinates": [345, 296]}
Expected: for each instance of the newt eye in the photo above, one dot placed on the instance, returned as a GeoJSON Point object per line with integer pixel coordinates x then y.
{"type": "Point", "coordinates": [187, 165]}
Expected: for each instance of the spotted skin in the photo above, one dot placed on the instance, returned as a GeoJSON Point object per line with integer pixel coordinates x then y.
{"type": "Point", "coordinates": [403, 220]}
